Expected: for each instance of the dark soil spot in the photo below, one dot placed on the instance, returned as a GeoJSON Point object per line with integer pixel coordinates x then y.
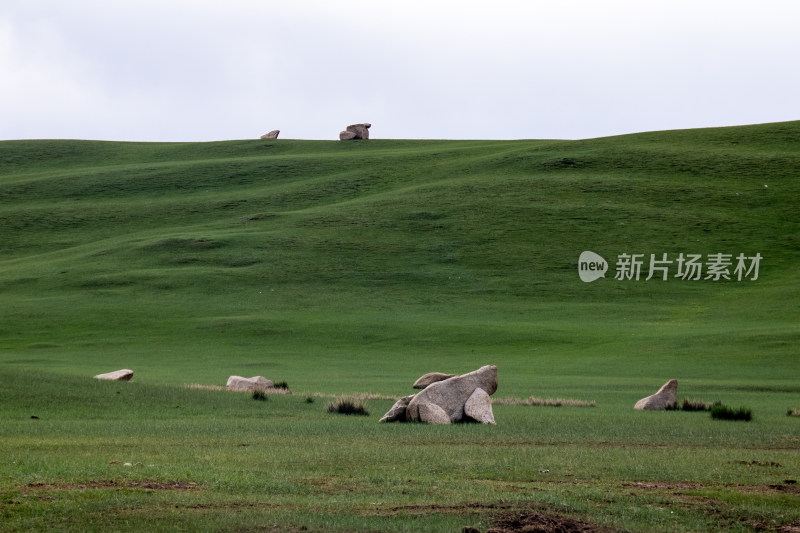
{"type": "Point", "coordinates": [532, 522]}
{"type": "Point", "coordinates": [112, 484]}
{"type": "Point", "coordinates": [756, 463]}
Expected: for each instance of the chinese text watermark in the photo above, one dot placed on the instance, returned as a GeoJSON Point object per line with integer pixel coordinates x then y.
{"type": "Point", "coordinates": [684, 266]}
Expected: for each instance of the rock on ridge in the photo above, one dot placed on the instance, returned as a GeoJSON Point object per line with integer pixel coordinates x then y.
{"type": "Point", "coordinates": [355, 131]}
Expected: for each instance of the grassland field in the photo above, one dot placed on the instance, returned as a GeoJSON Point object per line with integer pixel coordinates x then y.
{"type": "Point", "coordinates": [352, 268]}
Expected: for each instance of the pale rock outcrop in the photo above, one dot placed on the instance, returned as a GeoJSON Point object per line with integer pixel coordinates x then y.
{"type": "Point", "coordinates": [355, 131]}
{"type": "Point", "coordinates": [451, 394]}
{"type": "Point", "coordinates": [666, 396]}
{"type": "Point", "coordinates": [117, 375]}
{"type": "Point", "coordinates": [454, 399]}
{"type": "Point", "coordinates": [238, 383]}
{"type": "Point", "coordinates": [271, 135]}
{"type": "Point", "coordinates": [431, 377]}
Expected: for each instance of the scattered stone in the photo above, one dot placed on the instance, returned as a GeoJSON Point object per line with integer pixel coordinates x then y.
{"type": "Point", "coordinates": [665, 397]}
{"type": "Point", "coordinates": [238, 383]}
{"type": "Point", "coordinates": [271, 135]}
{"type": "Point", "coordinates": [398, 410]}
{"type": "Point", "coordinates": [431, 377]}
{"type": "Point", "coordinates": [355, 131]}
{"type": "Point", "coordinates": [117, 375]}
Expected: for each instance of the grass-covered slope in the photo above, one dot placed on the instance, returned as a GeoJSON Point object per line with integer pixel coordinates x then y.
{"type": "Point", "coordinates": [342, 265]}
{"type": "Point", "coordinates": [358, 266]}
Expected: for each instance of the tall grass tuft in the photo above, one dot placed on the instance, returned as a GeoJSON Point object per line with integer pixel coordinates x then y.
{"type": "Point", "coordinates": [692, 405]}
{"type": "Point", "coordinates": [259, 394]}
{"type": "Point", "coordinates": [723, 412]}
{"type": "Point", "coordinates": [347, 406]}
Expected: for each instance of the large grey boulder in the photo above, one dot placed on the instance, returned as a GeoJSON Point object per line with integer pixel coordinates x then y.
{"type": "Point", "coordinates": [117, 375]}
{"type": "Point", "coordinates": [355, 131]}
{"type": "Point", "coordinates": [452, 394]}
{"type": "Point", "coordinates": [238, 383]}
{"type": "Point", "coordinates": [666, 396]}
{"type": "Point", "coordinates": [271, 135]}
{"type": "Point", "coordinates": [431, 377]}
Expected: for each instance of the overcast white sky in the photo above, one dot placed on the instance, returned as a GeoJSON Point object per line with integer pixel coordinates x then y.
{"type": "Point", "coordinates": [198, 70]}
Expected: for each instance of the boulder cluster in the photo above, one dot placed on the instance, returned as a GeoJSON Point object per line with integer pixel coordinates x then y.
{"type": "Point", "coordinates": [355, 131]}
{"type": "Point", "coordinates": [448, 398]}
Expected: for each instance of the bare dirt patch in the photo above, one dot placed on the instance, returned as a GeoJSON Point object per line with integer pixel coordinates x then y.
{"type": "Point", "coordinates": [789, 486]}
{"type": "Point", "coordinates": [113, 484]}
{"type": "Point", "coordinates": [391, 510]}
{"type": "Point", "coordinates": [535, 522]}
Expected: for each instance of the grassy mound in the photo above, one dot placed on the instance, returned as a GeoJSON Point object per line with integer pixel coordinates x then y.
{"type": "Point", "coordinates": [344, 267]}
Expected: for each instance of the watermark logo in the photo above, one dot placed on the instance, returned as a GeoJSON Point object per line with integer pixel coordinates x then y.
{"type": "Point", "coordinates": [591, 266]}
{"type": "Point", "coordinates": [684, 266]}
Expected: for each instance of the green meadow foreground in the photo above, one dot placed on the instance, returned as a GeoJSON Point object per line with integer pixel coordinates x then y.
{"type": "Point", "coordinates": [352, 268]}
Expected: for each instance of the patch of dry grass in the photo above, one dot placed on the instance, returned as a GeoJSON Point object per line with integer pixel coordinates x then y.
{"type": "Point", "coordinates": [273, 390]}
{"type": "Point", "coordinates": [544, 402]}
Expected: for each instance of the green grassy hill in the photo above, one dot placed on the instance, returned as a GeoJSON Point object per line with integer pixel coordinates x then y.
{"type": "Point", "coordinates": [348, 267]}
{"type": "Point", "coordinates": [341, 266]}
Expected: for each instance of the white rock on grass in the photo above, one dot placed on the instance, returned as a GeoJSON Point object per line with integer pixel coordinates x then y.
{"type": "Point", "coordinates": [117, 375]}
{"type": "Point", "coordinates": [238, 383]}
{"type": "Point", "coordinates": [666, 396]}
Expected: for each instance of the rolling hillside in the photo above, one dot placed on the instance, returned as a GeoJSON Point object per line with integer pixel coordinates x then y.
{"type": "Point", "coordinates": [371, 258]}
